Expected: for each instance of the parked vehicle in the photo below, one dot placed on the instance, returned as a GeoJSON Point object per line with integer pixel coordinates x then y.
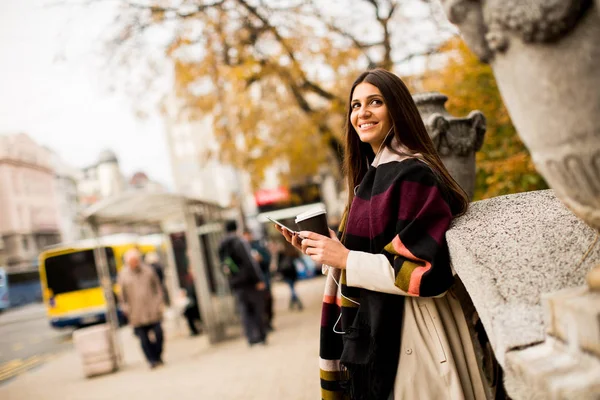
{"type": "Point", "coordinates": [70, 286]}
{"type": "Point", "coordinates": [4, 299]}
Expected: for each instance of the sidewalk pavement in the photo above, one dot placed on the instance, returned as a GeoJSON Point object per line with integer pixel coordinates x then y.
{"type": "Point", "coordinates": [23, 313]}
{"type": "Point", "coordinates": [286, 368]}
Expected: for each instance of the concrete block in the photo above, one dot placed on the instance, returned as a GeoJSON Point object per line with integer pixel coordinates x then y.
{"type": "Point", "coordinates": [575, 318]}
{"type": "Point", "coordinates": [549, 304]}
{"type": "Point", "coordinates": [552, 371]}
{"type": "Point", "coordinates": [93, 339]}
{"type": "Point", "coordinates": [95, 350]}
{"type": "Point", "coordinates": [508, 251]}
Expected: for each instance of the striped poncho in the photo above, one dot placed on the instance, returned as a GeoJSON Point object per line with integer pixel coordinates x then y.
{"type": "Point", "coordinates": [397, 222]}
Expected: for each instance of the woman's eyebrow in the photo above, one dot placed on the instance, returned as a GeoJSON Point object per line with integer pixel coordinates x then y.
{"type": "Point", "coordinates": [368, 97]}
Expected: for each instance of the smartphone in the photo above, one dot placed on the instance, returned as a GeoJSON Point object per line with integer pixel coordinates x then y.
{"type": "Point", "coordinates": [281, 225]}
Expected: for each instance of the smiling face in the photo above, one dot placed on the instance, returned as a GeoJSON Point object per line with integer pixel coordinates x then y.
{"type": "Point", "coordinates": [369, 116]}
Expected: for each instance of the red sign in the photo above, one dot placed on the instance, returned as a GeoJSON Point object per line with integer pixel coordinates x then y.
{"type": "Point", "coordinates": [264, 197]}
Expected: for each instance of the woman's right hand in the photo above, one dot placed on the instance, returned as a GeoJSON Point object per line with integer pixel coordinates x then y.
{"type": "Point", "coordinates": [292, 238]}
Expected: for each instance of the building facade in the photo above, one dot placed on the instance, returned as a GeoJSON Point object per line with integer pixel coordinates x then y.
{"type": "Point", "coordinates": [29, 212]}
{"type": "Point", "coordinates": [100, 180]}
{"type": "Point", "coordinates": [196, 171]}
{"type": "Point", "coordinates": [67, 197]}
{"type": "Point", "coordinates": [141, 182]}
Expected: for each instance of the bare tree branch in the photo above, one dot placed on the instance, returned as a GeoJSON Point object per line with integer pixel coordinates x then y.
{"type": "Point", "coordinates": [176, 10]}
{"type": "Point", "coordinates": [426, 53]}
{"type": "Point", "coordinates": [384, 22]}
{"type": "Point", "coordinates": [392, 9]}
{"type": "Point", "coordinates": [307, 82]}
{"type": "Point", "coordinates": [375, 5]}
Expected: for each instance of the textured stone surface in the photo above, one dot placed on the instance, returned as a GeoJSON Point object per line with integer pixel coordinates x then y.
{"type": "Point", "coordinates": [508, 251]}
{"type": "Point", "coordinates": [552, 371]}
{"type": "Point", "coordinates": [488, 24]}
{"type": "Point", "coordinates": [574, 317]}
{"type": "Point", "coordinates": [552, 97]}
{"type": "Point", "coordinates": [545, 56]}
{"type": "Point", "coordinates": [456, 139]}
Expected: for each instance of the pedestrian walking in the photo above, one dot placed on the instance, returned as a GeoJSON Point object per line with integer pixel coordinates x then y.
{"type": "Point", "coordinates": [286, 266]}
{"type": "Point", "coordinates": [153, 260]}
{"type": "Point", "coordinates": [141, 299]}
{"type": "Point", "coordinates": [246, 282]}
{"type": "Point", "coordinates": [191, 311]}
{"type": "Point", "coordinates": [263, 256]}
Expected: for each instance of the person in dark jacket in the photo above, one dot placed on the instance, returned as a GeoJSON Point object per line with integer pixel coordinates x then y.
{"type": "Point", "coordinates": [286, 266]}
{"type": "Point", "coordinates": [262, 255]}
{"type": "Point", "coordinates": [246, 282]}
{"type": "Point", "coordinates": [191, 312]}
{"type": "Point", "coordinates": [152, 259]}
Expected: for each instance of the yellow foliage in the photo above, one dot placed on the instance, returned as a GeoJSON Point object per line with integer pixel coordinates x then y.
{"type": "Point", "coordinates": [257, 119]}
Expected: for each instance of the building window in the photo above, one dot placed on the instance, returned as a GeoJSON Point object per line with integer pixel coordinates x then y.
{"type": "Point", "coordinates": [25, 243]}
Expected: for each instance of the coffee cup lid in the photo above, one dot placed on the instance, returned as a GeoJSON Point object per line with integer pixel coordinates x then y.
{"type": "Point", "coordinates": [313, 212]}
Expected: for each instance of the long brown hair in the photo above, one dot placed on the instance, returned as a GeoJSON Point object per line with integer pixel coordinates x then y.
{"type": "Point", "coordinates": [409, 130]}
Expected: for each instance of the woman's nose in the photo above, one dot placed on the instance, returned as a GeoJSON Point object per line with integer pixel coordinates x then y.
{"type": "Point", "coordinates": [364, 112]}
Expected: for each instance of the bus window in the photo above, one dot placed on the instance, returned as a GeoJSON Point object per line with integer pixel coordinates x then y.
{"type": "Point", "coordinates": [76, 271]}
{"type": "Point", "coordinates": [4, 300]}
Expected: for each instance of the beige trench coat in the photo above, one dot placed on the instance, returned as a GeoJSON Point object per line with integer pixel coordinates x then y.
{"type": "Point", "coordinates": [140, 295]}
{"type": "Point", "coordinates": [437, 357]}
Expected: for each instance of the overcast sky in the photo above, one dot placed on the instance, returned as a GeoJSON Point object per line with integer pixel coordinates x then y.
{"type": "Point", "coordinates": [52, 88]}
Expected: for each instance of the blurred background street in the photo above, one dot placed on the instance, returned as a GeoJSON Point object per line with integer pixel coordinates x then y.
{"type": "Point", "coordinates": [27, 340]}
{"type": "Point", "coordinates": [286, 368]}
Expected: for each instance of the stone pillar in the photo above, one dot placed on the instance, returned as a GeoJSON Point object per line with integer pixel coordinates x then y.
{"type": "Point", "coordinates": [456, 139]}
{"type": "Point", "coordinates": [545, 56]}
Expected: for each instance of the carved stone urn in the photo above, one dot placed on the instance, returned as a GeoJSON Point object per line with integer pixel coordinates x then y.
{"type": "Point", "coordinates": [456, 139]}
{"type": "Point", "coordinates": [546, 58]}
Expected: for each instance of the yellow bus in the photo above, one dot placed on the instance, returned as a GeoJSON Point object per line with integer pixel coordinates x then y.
{"type": "Point", "coordinates": [70, 287]}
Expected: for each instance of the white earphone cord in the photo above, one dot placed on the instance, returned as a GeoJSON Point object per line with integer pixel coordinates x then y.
{"type": "Point", "coordinates": [384, 139]}
{"type": "Point", "coordinates": [340, 317]}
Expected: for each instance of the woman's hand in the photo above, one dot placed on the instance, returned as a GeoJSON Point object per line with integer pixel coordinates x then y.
{"type": "Point", "coordinates": [324, 250]}
{"type": "Point", "coordinates": [291, 238]}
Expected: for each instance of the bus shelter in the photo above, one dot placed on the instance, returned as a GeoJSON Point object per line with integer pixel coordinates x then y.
{"type": "Point", "coordinates": [201, 222]}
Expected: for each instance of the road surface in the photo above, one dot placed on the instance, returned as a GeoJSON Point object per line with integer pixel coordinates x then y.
{"type": "Point", "coordinates": [27, 340]}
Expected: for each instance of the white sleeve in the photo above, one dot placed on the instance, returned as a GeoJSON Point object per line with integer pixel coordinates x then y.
{"type": "Point", "coordinates": [372, 272]}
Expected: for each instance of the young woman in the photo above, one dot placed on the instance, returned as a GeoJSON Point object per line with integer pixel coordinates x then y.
{"type": "Point", "coordinates": [391, 326]}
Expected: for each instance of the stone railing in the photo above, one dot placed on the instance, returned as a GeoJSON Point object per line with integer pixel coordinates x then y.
{"type": "Point", "coordinates": [511, 251]}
